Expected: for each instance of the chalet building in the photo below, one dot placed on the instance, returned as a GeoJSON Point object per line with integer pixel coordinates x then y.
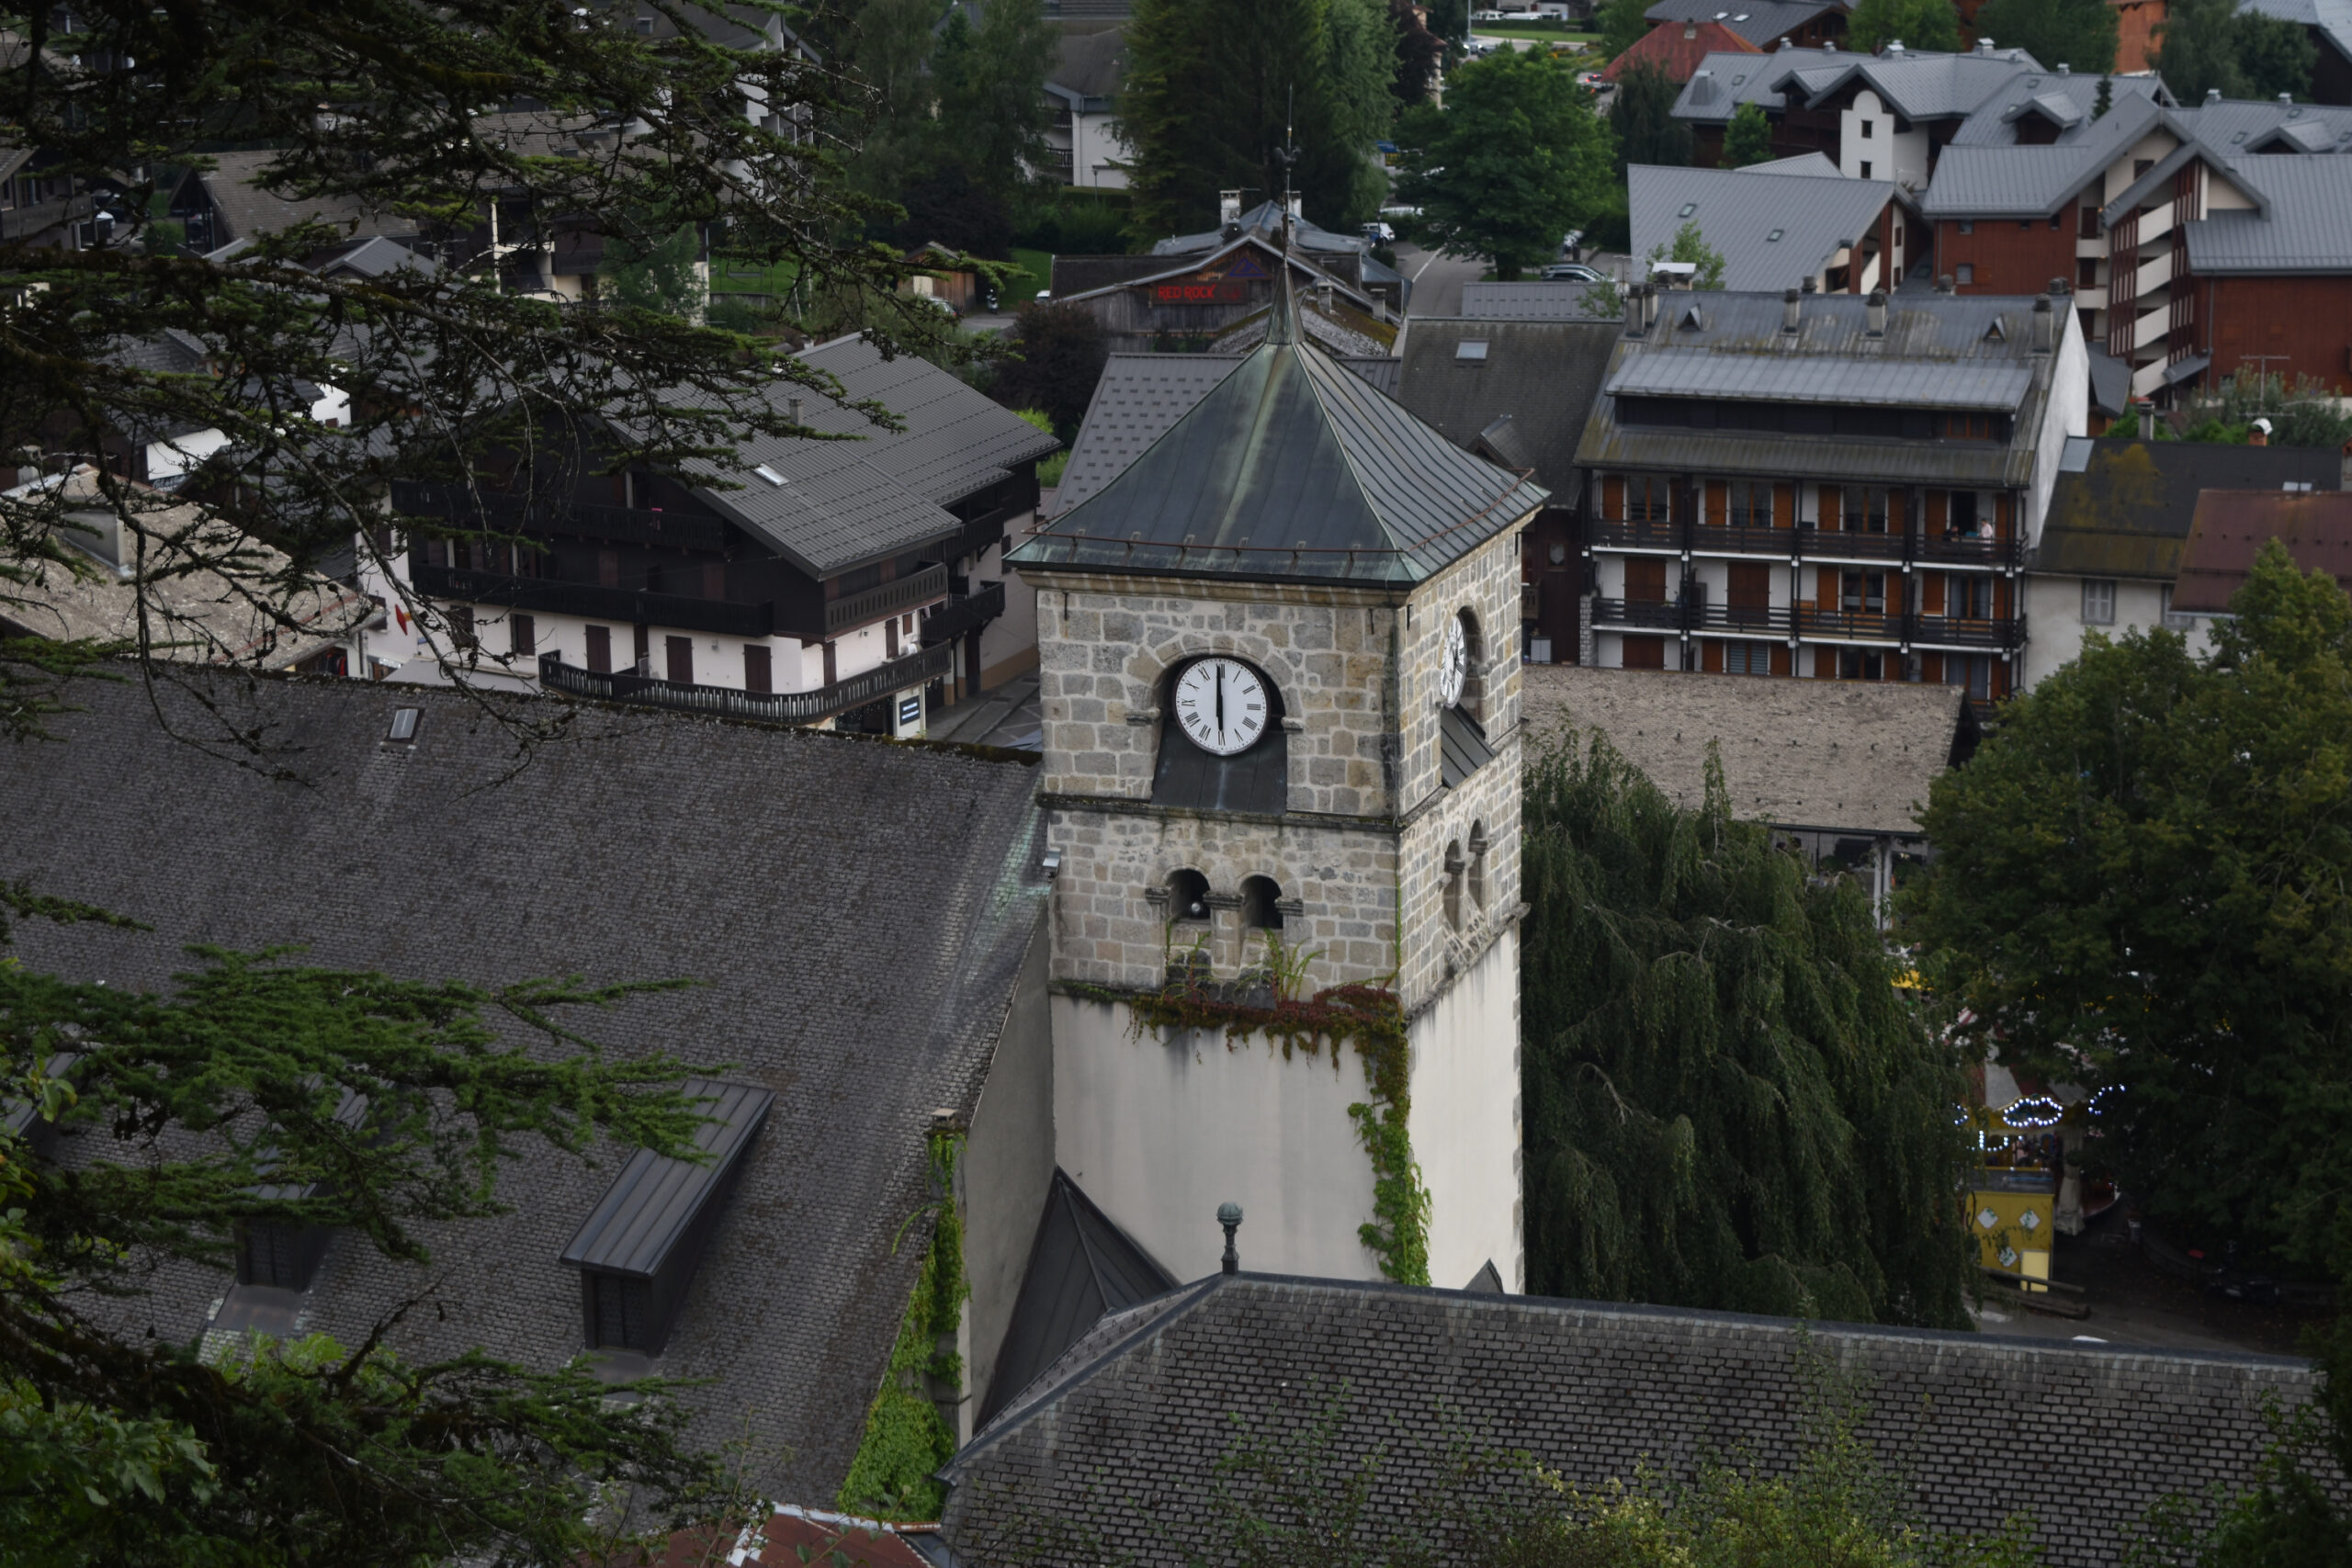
{"type": "Point", "coordinates": [1887, 115]}
{"type": "Point", "coordinates": [1318, 255]}
{"type": "Point", "coordinates": [1219, 300]}
{"type": "Point", "coordinates": [1791, 223]}
{"type": "Point", "coordinates": [849, 582]}
{"type": "Point", "coordinates": [2112, 544]}
{"type": "Point", "coordinates": [1823, 485]}
{"type": "Point", "coordinates": [1082, 141]}
{"type": "Point", "coordinates": [2200, 241]}
{"type": "Point", "coordinates": [44, 203]}
{"type": "Point", "coordinates": [227, 204]}
{"type": "Point", "coordinates": [1675, 50]}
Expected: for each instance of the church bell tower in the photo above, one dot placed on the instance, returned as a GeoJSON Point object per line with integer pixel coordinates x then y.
{"type": "Point", "coordinates": [1278, 669]}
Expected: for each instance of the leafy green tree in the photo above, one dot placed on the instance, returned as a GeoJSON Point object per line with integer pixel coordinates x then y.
{"type": "Point", "coordinates": [1622, 23]}
{"type": "Point", "coordinates": [217, 1105]}
{"type": "Point", "coordinates": [1216, 90]}
{"type": "Point", "coordinates": [1729, 1103]}
{"type": "Point", "coordinates": [2214, 45]}
{"type": "Point", "coordinates": [1691, 246]}
{"type": "Point", "coordinates": [890, 49]}
{"type": "Point", "coordinates": [1748, 138]}
{"type": "Point", "coordinates": [442, 368]}
{"type": "Point", "coordinates": [2080, 33]}
{"type": "Point", "coordinates": [1642, 115]}
{"type": "Point", "coordinates": [660, 277]}
{"type": "Point", "coordinates": [1058, 354]}
{"type": "Point", "coordinates": [1514, 160]}
{"type": "Point", "coordinates": [2303, 414]}
{"type": "Point", "coordinates": [992, 105]}
{"type": "Point", "coordinates": [1916, 24]}
{"type": "Point", "coordinates": [1450, 19]}
{"type": "Point", "coordinates": [2143, 885]}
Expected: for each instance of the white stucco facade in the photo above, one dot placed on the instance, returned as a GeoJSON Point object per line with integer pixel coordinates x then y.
{"type": "Point", "coordinates": [1465, 1120]}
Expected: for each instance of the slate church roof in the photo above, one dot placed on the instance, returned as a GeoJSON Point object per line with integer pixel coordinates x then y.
{"type": "Point", "coordinates": [1293, 467]}
{"type": "Point", "coordinates": [1083, 1267]}
{"type": "Point", "coordinates": [1118, 1443]}
{"type": "Point", "coordinates": [855, 916]}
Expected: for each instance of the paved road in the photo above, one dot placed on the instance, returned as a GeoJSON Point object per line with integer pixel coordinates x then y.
{"type": "Point", "coordinates": [1437, 279]}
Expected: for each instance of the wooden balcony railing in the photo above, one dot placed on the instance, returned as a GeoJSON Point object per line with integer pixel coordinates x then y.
{"type": "Point", "coordinates": [1808, 543]}
{"type": "Point", "coordinates": [728, 701]}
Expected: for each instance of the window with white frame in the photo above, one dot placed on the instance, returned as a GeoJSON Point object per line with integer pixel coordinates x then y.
{"type": "Point", "coordinates": [2099, 602]}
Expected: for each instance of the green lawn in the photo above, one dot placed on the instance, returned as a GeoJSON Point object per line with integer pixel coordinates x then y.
{"type": "Point", "coordinates": [1036, 272]}
{"type": "Point", "coordinates": [1541, 35]}
{"type": "Point", "coordinates": [746, 277]}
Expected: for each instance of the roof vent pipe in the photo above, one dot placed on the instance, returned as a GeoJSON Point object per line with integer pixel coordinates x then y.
{"type": "Point", "coordinates": [2212, 95]}
{"type": "Point", "coordinates": [1228, 1215]}
{"type": "Point", "coordinates": [2285, 100]}
{"type": "Point", "coordinates": [1649, 305]}
{"type": "Point", "coordinates": [2259, 436]}
{"type": "Point", "coordinates": [2065, 69]}
{"type": "Point", "coordinates": [1894, 47]}
{"type": "Point", "coordinates": [1633, 310]}
{"type": "Point", "coordinates": [1792, 310]}
{"type": "Point", "coordinates": [1944, 284]}
{"type": "Point", "coordinates": [2147, 409]}
{"type": "Point", "coordinates": [2045, 325]}
{"type": "Point", "coordinates": [794, 405]}
{"type": "Point", "coordinates": [1228, 209]}
{"type": "Point", "coordinates": [1875, 309]}
{"type": "Point", "coordinates": [1984, 44]}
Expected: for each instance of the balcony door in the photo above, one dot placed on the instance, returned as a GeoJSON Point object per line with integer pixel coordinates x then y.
{"type": "Point", "coordinates": [1645, 579]}
{"type": "Point", "coordinates": [1749, 594]}
{"type": "Point", "coordinates": [681, 650]}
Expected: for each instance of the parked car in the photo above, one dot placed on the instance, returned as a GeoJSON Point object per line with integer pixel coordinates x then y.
{"type": "Point", "coordinates": [1485, 16]}
{"type": "Point", "coordinates": [1380, 234]}
{"type": "Point", "coordinates": [1571, 272]}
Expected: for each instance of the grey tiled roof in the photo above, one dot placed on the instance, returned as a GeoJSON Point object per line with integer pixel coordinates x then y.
{"type": "Point", "coordinates": [1121, 1448]}
{"type": "Point", "coordinates": [246, 209]}
{"type": "Point", "coordinates": [2122, 508]}
{"type": "Point", "coordinates": [1760, 22]}
{"type": "Point", "coordinates": [1087, 67]}
{"type": "Point", "coordinates": [1994, 181]}
{"type": "Point", "coordinates": [1773, 231]}
{"type": "Point", "coordinates": [1264, 220]}
{"type": "Point", "coordinates": [1731, 80]}
{"type": "Point", "coordinates": [1139, 396]}
{"type": "Point", "coordinates": [1856, 756]}
{"type": "Point", "coordinates": [2240, 124]}
{"type": "Point", "coordinates": [1291, 467]}
{"type": "Point", "coordinates": [855, 916]}
{"type": "Point", "coordinates": [2308, 229]}
{"type": "Point", "coordinates": [1812, 378]}
{"type": "Point", "coordinates": [1994, 123]}
{"type": "Point", "coordinates": [1539, 375]}
{"type": "Point", "coordinates": [845, 503]}
{"type": "Point", "coordinates": [1525, 302]}
{"type": "Point", "coordinates": [1920, 85]}
{"type": "Point", "coordinates": [1932, 341]}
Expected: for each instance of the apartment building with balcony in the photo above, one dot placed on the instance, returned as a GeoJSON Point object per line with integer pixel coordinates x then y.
{"type": "Point", "coordinates": [1823, 486]}
{"type": "Point", "coordinates": [2198, 240]}
{"type": "Point", "coordinates": [849, 582]}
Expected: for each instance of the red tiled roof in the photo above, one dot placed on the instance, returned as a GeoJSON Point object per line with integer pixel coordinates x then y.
{"type": "Point", "coordinates": [2231, 527]}
{"type": "Point", "coordinates": [793, 1536]}
{"type": "Point", "coordinates": [1678, 47]}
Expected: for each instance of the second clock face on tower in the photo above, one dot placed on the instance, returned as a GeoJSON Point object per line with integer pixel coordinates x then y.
{"type": "Point", "coordinates": [1221, 705]}
{"type": "Point", "coordinates": [1454, 666]}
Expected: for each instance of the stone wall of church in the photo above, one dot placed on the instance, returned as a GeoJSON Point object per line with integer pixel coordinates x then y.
{"type": "Point", "coordinates": [1106, 647]}
{"type": "Point", "coordinates": [1110, 930]}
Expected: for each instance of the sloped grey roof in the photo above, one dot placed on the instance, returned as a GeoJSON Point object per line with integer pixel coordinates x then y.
{"type": "Point", "coordinates": [651, 1207]}
{"type": "Point", "coordinates": [375, 255]}
{"type": "Point", "coordinates": [1817, 165]}
{"type": "Point", "coordinates": [1773, 231]}
{"type": "Point", "coordinates": [1380, 370]}
{"type": "Point", "coordinates": [1265, 220]}
{"type": "Point", "coordinates": [2308, 230]}
{"type": "Point", "coordinates": [1083, 1267]}
{"type": "Point", "coordinates": [1943, 334]}
{"type": "Point", "coordinates": [1732, 80]}
{"type": "Point", "coordinates": [1854, 756]}
{"type": "Point", "coordinates": [845, 503]}
{"type": "Point", "coordinates": [765, 864]}
{"type": "Point", "coordinates": [1813, 379]}
{"type": "Point", "coordinates": [1994, 122]}
{"type": "Point", "coordinates": [1525, 302]}
{"type": "Point", "coordinates": [1291, 469]}
{"type": "Point", "coordinates": [2241, 125]}
{"type": "Point", "coordinates": [1987, 180]}
{"type": "Point", "coordinates": [2110, 383]}
{"type": "Point", "coordinates": [1121, 1452]}
{"type": "Point", "coordinates": [1087, 67]}
{"type": "Point", "coordinates": [2124, 508]}
{"type": "Point", "coordinates": [1921, 84]}
{"type": "Point", "coordinates": [1539, 375]}
{"type": "Point", "coordinates": [1760, 22]}
{"type": "Point", "coordinates": [1138, 398]}
{"type": "Point", "coordinates": [246, 209]}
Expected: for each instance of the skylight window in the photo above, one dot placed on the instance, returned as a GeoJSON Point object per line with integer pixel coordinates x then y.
{"type": "Point", "coordinates": [1688, 208]}
{"type": "Point", "coordinates": [769, 474]}
{"type": "Point", "coordinates": [1473, 350]}
{"type": "Point", "coordinates": [404, 724]}
{"type": "Point", "coordinates": [1774, 235]}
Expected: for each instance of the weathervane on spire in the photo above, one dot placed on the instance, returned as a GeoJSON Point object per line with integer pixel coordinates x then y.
{"type": "Point", "coordinates": [1287, 155]}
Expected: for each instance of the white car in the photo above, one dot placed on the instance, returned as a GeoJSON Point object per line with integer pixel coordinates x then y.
{"type": "Point", "coordinates": [1380, 232]}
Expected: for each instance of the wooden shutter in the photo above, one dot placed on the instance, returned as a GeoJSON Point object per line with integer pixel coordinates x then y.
{"type": "Point", "coordinates": [757, 676]}
{"type": "Point", "coordinates": [2001, 516]}
{"type": "Point", "coordinates": [1784, 506]}
{"type": "Point", "coordinates": [1718, 503]}
{"type": "Point", "coordinates": [890, 637]}
{"type": "Point", "coordinates": [680, 652]}
{"type": "Point", "coordinates": [600, 650]}
{"type": "Point", "coordinates": [1645, 653]}
{"type": "Point", "coordinates": [1831, 500]}
{"type": "Point", "coordinates": [521, 636]}
{"type": "Point", "coordinates": [608, 569]}
{"type": "Point", "coordinates": [831, 658]}
{"type": "Point", "coordinates": [1612, 498]}
{"type": "Point", "coordinates": [1711, 656]}
{"type": "Point", "coordinates": [1645, 579]}
{"type": "Point", "coordinates": [714, 580]}
{"type": "Point", "coordinates": [1938, 512]}
{"type": "Point", "coordinates": [1931, 669]}
{"type": "Point", "coordinates": [1780, 659]}
{"type": "Point", "coordinates": [1931, 593]}
{"type": "Point", "coordinates": [1751, 586]}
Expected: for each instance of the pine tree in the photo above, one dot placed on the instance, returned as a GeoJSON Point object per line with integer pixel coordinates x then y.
{"type": "Point", "coordinates": [1729, 1103]}
{"type": "Point", "coordinates": [1642, 118]}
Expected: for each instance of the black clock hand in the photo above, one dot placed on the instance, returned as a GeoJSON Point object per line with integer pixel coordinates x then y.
{"type": "Point", "coordinates": [1220, 702]}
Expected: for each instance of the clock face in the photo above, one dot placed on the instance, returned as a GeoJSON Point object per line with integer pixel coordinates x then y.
{"type": "Point", "coordinates": [1222, 704]}
{"type": "Point", "coordinates": [1453, 667]}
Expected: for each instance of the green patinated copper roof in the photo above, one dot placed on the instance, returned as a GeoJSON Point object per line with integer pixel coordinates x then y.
{"type": "Point", "coordinates": [1294, 468]}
